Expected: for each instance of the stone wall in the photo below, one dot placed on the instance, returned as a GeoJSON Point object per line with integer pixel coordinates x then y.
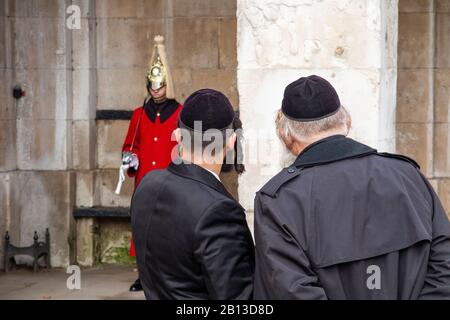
{"type": "Point", "coordinates": [424, 89]}
{"type": "Point", "coordinates": [35, 140]}
{"type": "Point", "coordinates": [54, 154]}
{"type": "Point", "coordinates": [351, 43]}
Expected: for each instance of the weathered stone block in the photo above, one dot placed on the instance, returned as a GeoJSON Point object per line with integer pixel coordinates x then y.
{"type": "Point", "coordinates": [105, 185]}
{"type": "Point", "coordinates": [43, 144]}
{"type": "Point", "coordinates": [272, 34]}
{"type": "Point", "coordinates": [442, 40]}
{"type": "Point", "coordinates": [85, 242]}
{"type": "Point", "coordinates": [222, 80]}
{"type": "Point", "coordinates": [85, 192]}
{"type": "Point", "coordinates": [415, 43]}
{"type": "Point", "coordinates": [442, 6]}
{"type": "Point", "coordinates": [415, 6]}
{"type": "Point", "coordinates": [154, 9]}
{"type": "Point", "coordinates": [227, 43]}
{"type": "Point", "coordinates": [441, 150]}
{"type": "Point", "coordinates": [83, 144]}
{"type": "Point", "coordinates": [126, 43]}
{"type": "Point", "coordinates": [121, 88]}
{"type": "Point", "coordinates": [84, 94]}
{"type": "Point", "coordinates": [45, 200]}
{"type": "Point", "coordinates": [131, 8]}
{"type": "Point", "coordinates": [182, 79]}
{"type": "Point", "coordinates": [204, 8]}
{"type": "Point", "coordinates": [17, 8]}
{"type": "Point", "coordinates": [8, 160]}
{"type": "Point", "coordinates": [46, 93]}
{"type": "Point", "coordinates": [114, 242]}
{"type": "Point", "coordinates": [117, 8]}
{"type": "Point", "coordinates": [415, 95]}
{"type": "Point", "coordinates": [193, 43]}
{"type": "Point", "coordinates": [110, 138]}
{"type": "Point", "coordinates": [7, 107]}
{"type": "Point", "coordinates": [3, 52]}
{"type": "Point", "coordinates": [442, 95]}
{"type": "Point", "coordinates": [39, 43]}
{"type": "Point", "coordinates": [84, 46]}
{"type": "Point", "coordinates": [36, 8]}
{"type": "Point", "coordinates": [415, 140]}
{"type": "Point", "coordinates": [50, 8]}
{"type": "Point", "coordinates": [444, 194]}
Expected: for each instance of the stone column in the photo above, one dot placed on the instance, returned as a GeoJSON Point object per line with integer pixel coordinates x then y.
{"type": "Point", "coordinates": [415, 112]}
{"type": "Point", "coordinates": [353, 44]}
{"type": "Point", "coordinates": [442, 101]}
{"type": "Point", "coordinates": [38, 50]}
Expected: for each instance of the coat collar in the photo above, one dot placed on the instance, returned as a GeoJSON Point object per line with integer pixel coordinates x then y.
{"type": "Point", "coordinates": [332, 149]}
{"type": "Point", "coordinates": [165, 109]}
{"type": "Point", "coordinates": [328, 150]}
{"type": "Point", "coordinates": [197, 173]}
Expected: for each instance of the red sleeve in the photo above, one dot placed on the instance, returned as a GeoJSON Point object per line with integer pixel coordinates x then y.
{"type": "Point", "coordinates": [131, 143]}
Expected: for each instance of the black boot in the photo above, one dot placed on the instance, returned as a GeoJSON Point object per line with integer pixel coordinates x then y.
{"type": "Point", "coordinates": [136, 286]}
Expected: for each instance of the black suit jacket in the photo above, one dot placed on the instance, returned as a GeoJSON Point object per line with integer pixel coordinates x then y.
{"type": "Point", "coordinates": [191, 237]}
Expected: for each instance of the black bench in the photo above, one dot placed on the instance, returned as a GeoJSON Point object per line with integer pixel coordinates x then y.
{"type": "Point", "coordinates": [101, 212]}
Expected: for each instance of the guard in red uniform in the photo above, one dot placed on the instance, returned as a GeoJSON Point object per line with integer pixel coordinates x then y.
{"type": "Point", "coordinates": [149, 144]}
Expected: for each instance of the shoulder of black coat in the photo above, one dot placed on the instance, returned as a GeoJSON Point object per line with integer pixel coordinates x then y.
{"type": "Point", "coordinates": [271, 188]}
{"type": "Point", "coordinates": [273, 185]}
{"type": "Point", "coordinates": [399, 157]}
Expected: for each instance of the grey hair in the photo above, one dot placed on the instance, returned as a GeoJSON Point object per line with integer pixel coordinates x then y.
{"type": "Point", "coordinates": [304, 131]}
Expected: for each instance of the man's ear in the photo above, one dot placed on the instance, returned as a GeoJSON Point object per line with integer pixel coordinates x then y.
{"type": "Point", "coordinates": [177, 134]}
{"type": "Point", "coordinates": [231, 141]}
{"type": "Point", "coordinates": [349, 126]}
{"type": "Point", "coordinates": [287, 140]}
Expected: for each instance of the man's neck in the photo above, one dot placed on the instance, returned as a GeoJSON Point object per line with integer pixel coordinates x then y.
{"type": "Point", "coordinates": [160, 101]}
{"type": "Point", "coordinates": [299, 147]}
{"type": "Point", "coordinates": [209, 165]}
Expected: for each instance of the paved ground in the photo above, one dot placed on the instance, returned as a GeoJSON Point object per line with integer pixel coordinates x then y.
{"type": "Point", "coordinates": [99, 283]}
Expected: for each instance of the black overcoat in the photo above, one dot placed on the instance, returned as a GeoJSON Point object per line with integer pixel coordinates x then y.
{"type": "Point", "coordinates": [346, 222]}
{"type": "Point", "coordinates": [192, 239]}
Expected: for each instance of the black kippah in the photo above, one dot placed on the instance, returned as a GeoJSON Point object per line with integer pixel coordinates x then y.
{"type": "Point", "coordinates": [209, 106]}
{"type": "Point", "coordinates": [311, 98]}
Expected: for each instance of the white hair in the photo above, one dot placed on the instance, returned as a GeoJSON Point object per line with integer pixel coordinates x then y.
{"type": "Point", "coordinates": [303, 132]}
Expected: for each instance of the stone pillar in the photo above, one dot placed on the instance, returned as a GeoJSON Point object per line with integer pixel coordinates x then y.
{"type": "Point", "coordinates": [351, 43]}
{"type": "Point", "coordinates": [415, 112]}
{"type": "Point", "coordinates": [38, 50]}
{"type": "Point", "coordinates": [442, 101]}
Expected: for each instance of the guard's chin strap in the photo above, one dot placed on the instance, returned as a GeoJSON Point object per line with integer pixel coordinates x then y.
{"type": "Point", "coordinates": [122, 170]}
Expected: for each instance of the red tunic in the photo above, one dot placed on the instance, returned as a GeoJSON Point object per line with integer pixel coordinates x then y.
{"type": "Point", "coordinates": [153, 144]}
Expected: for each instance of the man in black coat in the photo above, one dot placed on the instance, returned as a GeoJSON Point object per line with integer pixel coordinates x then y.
{"type": "Point", "coordinates": [192, 239]}
{"type": "Point", "coordinates": [344, 221]}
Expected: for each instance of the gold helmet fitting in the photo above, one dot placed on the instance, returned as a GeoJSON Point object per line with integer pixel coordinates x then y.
{"type": "Point", "coordinates": [156, 76]}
